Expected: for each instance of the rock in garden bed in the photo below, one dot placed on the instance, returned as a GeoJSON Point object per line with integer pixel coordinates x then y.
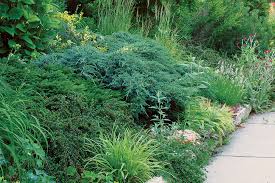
{"type": "Point", "coordinates": [186, 136]}
{"type": "Point", "coordinates": [241, 113]}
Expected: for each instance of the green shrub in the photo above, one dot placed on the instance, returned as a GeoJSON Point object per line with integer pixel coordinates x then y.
{"type": "Point", "coordinates": [224, 90]}
{"type": "Point", "coordinates": [262, 6]}
{"type": "Point", "coordinates": [186, 17]}
{"type": "Point", "coordinates": [138, 67]}
{"type": "Point", "coordinates": [220, 24]}
{"type": "Point", "coordinates": [26, 26]}
{"type": "Point", "coordinates": [128, 157]}
{"type": "Point", "coordinates": [71, 107]}
{"type": "Point", "coordinates": [209, 119]}
{"type": "Point", "coordinates": [21, 134]}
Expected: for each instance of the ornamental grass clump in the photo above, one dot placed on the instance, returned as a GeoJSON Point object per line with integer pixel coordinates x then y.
{"type": "Point", "coordinates": [21, 135]}
{"type": "Point", "coordinates": [128, 158]}
{"type": "Point", "coordinates": [114, 16]}
{"type": "Point", "coordinates": [209, 119]}
{"type": "Point", "coordinates": [224, 90]}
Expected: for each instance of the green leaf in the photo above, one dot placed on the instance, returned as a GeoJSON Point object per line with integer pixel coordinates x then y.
{"type": "Point", "coordinates": [27, 52]}
{"type": "Point", "coordinates": [29, 42]}
{"type": "Point", "coordinates": [33, 18]}
{"type": "Point", "coordinates": [21, 27]}
{"type": "Point", "coordinates": [71, 171]}
{"type": "Point", "coordinates": [27, 39]}
{"type": "Point", "coordinates": [15, 13]}
{"type": "Point", "coordinates": [11, 43]}
{"type": "Point", "coordinates": [29, 15]}
{"type": "Point", "coordinates": [36, 37]}
{"type": "Point", "coordinates": [40, 45]}
{"type": "Point", "coordinates": [28, 1]}
{"type": "Point", "coordinates": [9, 30]}
{"type": "Point", "coordinates": [39, 151]}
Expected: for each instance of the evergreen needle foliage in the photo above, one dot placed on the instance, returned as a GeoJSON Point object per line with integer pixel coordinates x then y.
{"type": "Point", "coordinates": [139, 67]}
{"type": "Point", "coordinates": [71, 107]}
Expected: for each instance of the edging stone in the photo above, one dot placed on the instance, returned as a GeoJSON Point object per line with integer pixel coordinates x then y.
{"type": "Point", "coordinates": [242, 114]}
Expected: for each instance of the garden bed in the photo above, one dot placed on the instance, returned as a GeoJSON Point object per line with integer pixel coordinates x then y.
{"type": "Point", "coordinates": [112, 92]}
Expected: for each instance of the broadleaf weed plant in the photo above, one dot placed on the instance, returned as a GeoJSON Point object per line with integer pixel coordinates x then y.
{"type": "Point", "coordinates": [160, 118]}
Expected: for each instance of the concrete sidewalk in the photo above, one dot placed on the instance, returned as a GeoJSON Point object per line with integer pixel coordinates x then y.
{"type": "Point", "coordinates": [250, 155]}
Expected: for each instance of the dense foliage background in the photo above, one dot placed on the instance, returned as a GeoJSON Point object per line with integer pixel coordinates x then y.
{"type": "Point", "coordinates": [125, 90]}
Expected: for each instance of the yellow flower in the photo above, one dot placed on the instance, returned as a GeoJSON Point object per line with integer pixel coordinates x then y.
{"type": "Point", "coordinates": [66, 17]}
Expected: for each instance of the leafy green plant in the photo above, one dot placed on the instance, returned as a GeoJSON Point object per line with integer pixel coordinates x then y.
{"type": "Point", "coordinates": [160, 108]}
{"type": "Point", "coordinates": [37, 176]}
{"type": "Point", "coordinates": [185, 162]}
{"type": "Point", "coordinates": [261, 5]}
{"type": "Point", "coordinates": [128, 157]}
{"type": "Point", "coordinates": [209, 119]}
{"type": "Point", "coordinates": [90, 176]}
{"type": "Point", "coordinates": [27, 24]}
{"type": "Point", "coordinates": [207, 56]}
{"type": "Point", "coordinates": [114, 16]}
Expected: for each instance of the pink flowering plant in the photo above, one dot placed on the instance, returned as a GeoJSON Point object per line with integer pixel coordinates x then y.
{"type": "Point", "coordinates": [250, 41]}
{"type": "Point", "coordinates": [269, 57]}
{"type": "Point", "coordinates": [258, 69]}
